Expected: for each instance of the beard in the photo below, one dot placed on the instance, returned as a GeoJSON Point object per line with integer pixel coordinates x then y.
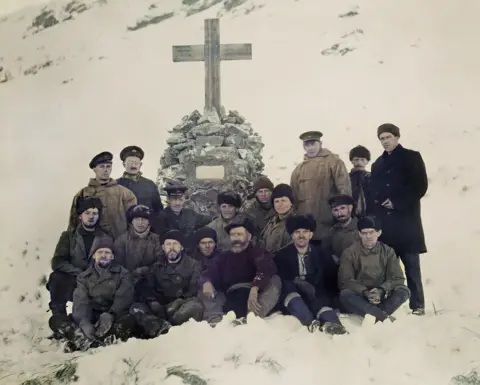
{"type": "Point", "coordinates": [103, 263]}
{"type": "Point", "coordinates": [238, 246]}
{"type": "Point", "coordinates": [90, 224]}
{"type": "Point", "coordinates": [173, 256]}
{"type": "Point", "coordinates": [342, 219]}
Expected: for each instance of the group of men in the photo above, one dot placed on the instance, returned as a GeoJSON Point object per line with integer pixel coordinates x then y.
{"type": "Point", "coordinates": [331, 241]}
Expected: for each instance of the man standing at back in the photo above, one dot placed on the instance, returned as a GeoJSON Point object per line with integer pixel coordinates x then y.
{"type": "Point", "coordinates": [320, 175]}
{"type": "Point", "coordinates": [144, 189]}
{"type": "Point", "coordinates": [115, 199]}
{"type": "Point", "coordinates": [399, 181]}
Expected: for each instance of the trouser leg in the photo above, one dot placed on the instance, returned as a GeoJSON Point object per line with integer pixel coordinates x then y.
{"type": "Point", "coordinates": [413, 272]}
{"type": "Point", "coordinates": [189, 308]}
{"type": "Point", "coordinates": [356, 304]}
{"type": "Point", "coordinates": [213, 307]}
{"type": "Point", "coordinates": [395, 299]}
{"type": "Point", "coordinates": [61, 287]}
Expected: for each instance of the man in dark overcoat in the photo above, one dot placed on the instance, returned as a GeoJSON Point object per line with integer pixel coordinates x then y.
{"type": "Point", "coordinates": [399, 181]}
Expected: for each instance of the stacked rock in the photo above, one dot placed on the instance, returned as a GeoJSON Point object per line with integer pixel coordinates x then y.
{"type": "Point", "coordinates": [209, 154]}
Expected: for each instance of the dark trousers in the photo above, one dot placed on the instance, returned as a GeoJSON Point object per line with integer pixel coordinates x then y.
{"type": "Point", "coordinates": [357, 304]}
{"type": "Point", "coordinates": [411, 261]}
{"type": "Point", "coordinates": [61, 287]}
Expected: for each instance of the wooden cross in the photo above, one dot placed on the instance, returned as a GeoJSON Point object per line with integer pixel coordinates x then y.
{"type": "Point", "coordinates": [212, 53]}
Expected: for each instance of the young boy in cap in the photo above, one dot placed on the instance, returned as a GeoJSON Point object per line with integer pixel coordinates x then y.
{"type": "Point", "coordinates": [360, 178]}
{"type": "Point", "coordinates": [144, 189]}
{"type": "Point", "coordinates": [308, 278]}
{"type": "Point", "coordinates": [370, 276]}
{"type": "Point", "coordinates": [115, 198]}
{"type": "Point", "coordinates": [206, 241]}
{"type": "Point", "coordinates": [320, 175]}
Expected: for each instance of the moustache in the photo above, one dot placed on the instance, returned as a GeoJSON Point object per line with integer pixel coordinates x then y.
{"type": "Point", "coordinates": [237, 243]}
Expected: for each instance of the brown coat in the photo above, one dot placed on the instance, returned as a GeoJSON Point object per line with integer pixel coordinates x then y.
{"type": "Point", "coordinates": [116, 200]}
{"type": "Point", "coordinates": [339, 238]}
{"type": "Point", "coordinates": [363, 269]}
{"type": "Point", "coordinates": [314, 181]}
{"type": "Point", "coordinates": [111, 291]}
{"type": "Point", "coordinates": [261, 215]}
{"type": "Point", "coordinates": [137, 254]}
{"type": "Point", "coordinates": [275, 235]}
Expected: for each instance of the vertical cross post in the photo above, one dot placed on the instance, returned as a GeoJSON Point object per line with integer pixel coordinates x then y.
{"type": "Point", "coordinates": [212, 65]}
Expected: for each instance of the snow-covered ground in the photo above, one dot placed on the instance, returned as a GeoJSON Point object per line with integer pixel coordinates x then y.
{"type": "Point", "coordinates": [414, 63]}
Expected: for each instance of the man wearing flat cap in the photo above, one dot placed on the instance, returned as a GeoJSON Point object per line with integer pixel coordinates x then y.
{"type": "Point", "coordinates": [370, 277]}
{"type": "Point", "coordinates": [178, 217]}
{"type": "Point", "coordinates": [320, 175]}
{"type": "Point", "coordinates": [242, 279]}
{"type": "Point", "coordinates": [344, 232]}
{"type": "Point", "coordinates": [360, 178]}
{"type": "Point", "coordinates": [144, 189]}
{"type": "Point", "coordinates": [169, 291]}
{"type": "Point", "coordinates": [399, 181]}
{"type": "Point", "coordinates": [260, 207]}
{"type": "Point", "coordinates": [229, 203]}
{"type": "Point", "coordinates": [115, 198]}
{"type": "Point", "coordinates": [309, 278]}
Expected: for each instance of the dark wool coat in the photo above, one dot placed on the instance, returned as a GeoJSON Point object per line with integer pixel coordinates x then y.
{"type": "Point", "coordinates": [402, 178]}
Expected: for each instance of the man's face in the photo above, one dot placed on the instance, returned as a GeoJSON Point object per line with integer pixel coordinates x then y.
{"type": "Point", "coordinates": [132, 165]}
{"type": "Point", "coordinates": [263, 195]}
{"type": "Point", "coordinates": [140, 225]}
{"type": "Point", "coordinates": [282, 205]}
{"type": "Point", "coordinates": [359, 163]}
{"type": "Point", "coordinates": [103, 257]}
{"type": "Point", "coordinates": [301, 237]}
{"type": "Point", "coordinates": [342, 213]}
{"type": "Point", "coordinates": [206, 246]}
{"type": "Point", "coordinates": [103, 171]}
{"type": "Point", "coordinates": [239, 238]}
{"type": "Point", "coordinates": [176, 202]}
{"type": "Point", "coordinates": [388, 141]}
{"type": "Point", "coordinates": [370, 237]}
{"type": "Point", "coordinates": [172, 249]}
{"type": "Point", "coordinates": [312, 148]}
{"type": "Point", "coordinates": [89, 218]}
{"type": "Point", "coordinates": [227, 211]}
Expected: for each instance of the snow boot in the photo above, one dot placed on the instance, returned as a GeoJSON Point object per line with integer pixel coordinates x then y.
{"type": "Point", "coordinates": [155, 326]}
{"type": "Point", "coordinates": [334, 328]}
{"type": "Point", "coordinates": [298, 308]}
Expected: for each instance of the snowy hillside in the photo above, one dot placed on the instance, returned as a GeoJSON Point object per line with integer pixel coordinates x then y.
{"type": "Point", "coordinates": [101, 77]}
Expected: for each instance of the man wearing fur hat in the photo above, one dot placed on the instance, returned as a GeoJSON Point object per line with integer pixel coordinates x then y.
{"type": "Point", "coordinates": [242, 279]}
{"type": "Point", "coordinates": [229, 203]}
{"type": "Point", "coordinates": [399, 181]}
{"type": "Point", "coordinates": [360, 178]}
{"type": "Point", "coordinates": [144, 189]}
{"type": "Point", "coordinates": [169, 292]}
{"type": "Point", "coordinates": [206, 241]}
{"type": "Point", "coordinates": [101, 302]}
{"type": "Point", "coordinates": [72, 255]}
{"type": "Point", "coordinates": [177, 217]}
{"type": "Point", "coordinates": [138, 248]}
{"type": "Point", "coordinates": [344, 232]}
{"type": "Point", "coordinates": [275, 235]}
{"type": "Point", "coordinates": [370, 277]}
{"type": "Point", "coordinates": [308, 277]}
{"type": "Point", "coordinates": [115, 198]}
{"type": "Point", "coordinates": [260, 207]}
{"type": "Point", "coordinates": [320, 175]}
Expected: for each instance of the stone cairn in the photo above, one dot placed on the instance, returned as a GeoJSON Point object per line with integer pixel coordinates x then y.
{"type": "Point", "coordinates": [210, 140]}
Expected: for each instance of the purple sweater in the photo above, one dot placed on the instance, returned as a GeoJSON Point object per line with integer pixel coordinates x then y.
{"type": "Point", "coordinates": [254, 264]}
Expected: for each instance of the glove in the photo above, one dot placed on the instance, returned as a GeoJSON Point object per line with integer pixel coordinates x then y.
{"type": "Point", "coordinates": [87, 328]}
{"type": "Point", "coordinates": [157, 309]}
{"type": "Point", "coordinates": [104, 324]}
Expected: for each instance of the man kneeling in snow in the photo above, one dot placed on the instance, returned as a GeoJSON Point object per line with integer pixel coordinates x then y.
{"type": "Point", "coordinates": [242, 279]}
{"type": "Point", "coordinates": [370, 277]}
{"type": "Point", "coordinates": [101, 301]}
{"type": "Point", "coordinates": [168, 293]}
{"type": "Point", "coordinates": [306, 273]}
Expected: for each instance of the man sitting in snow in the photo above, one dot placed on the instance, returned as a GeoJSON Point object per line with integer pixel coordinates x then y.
{"type": "Point", "coordinates": [242, 279]}
{"type": "Point", "coordinates": [138, 248]}
{"type": "Point", "coordinates": [177, 217]}
{"type": "Point", "coordinates": [101, 301]}
{"type": "Point", "coordinates": [370, 277]}
{"type": "Point", "coordinates": [206, 241]}
{"type": "Point", "coordinates": [72, 254]}
{"type": "Point", "coordinates": [260, 207]}
{"type": "Point", "coordinates": [275, 235]}
{"type": "Point", "coordinates": [344, 233]}
{"type": "Point", "coordinates": [169, 292]}
{"type": "Point", "coordinates": [229, 204]}
{"type": "Point", "coordinates": [308, 278]}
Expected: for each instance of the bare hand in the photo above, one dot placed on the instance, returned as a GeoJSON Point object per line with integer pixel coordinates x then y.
{"type": "Point", "coordinates": [253, 304]}
{"type": "Point", "coordinates": [388, 204]}
{"type": "Point", "coordinates": [208, 290]}
{"type": "Point", "coordinates": [375, 296]}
